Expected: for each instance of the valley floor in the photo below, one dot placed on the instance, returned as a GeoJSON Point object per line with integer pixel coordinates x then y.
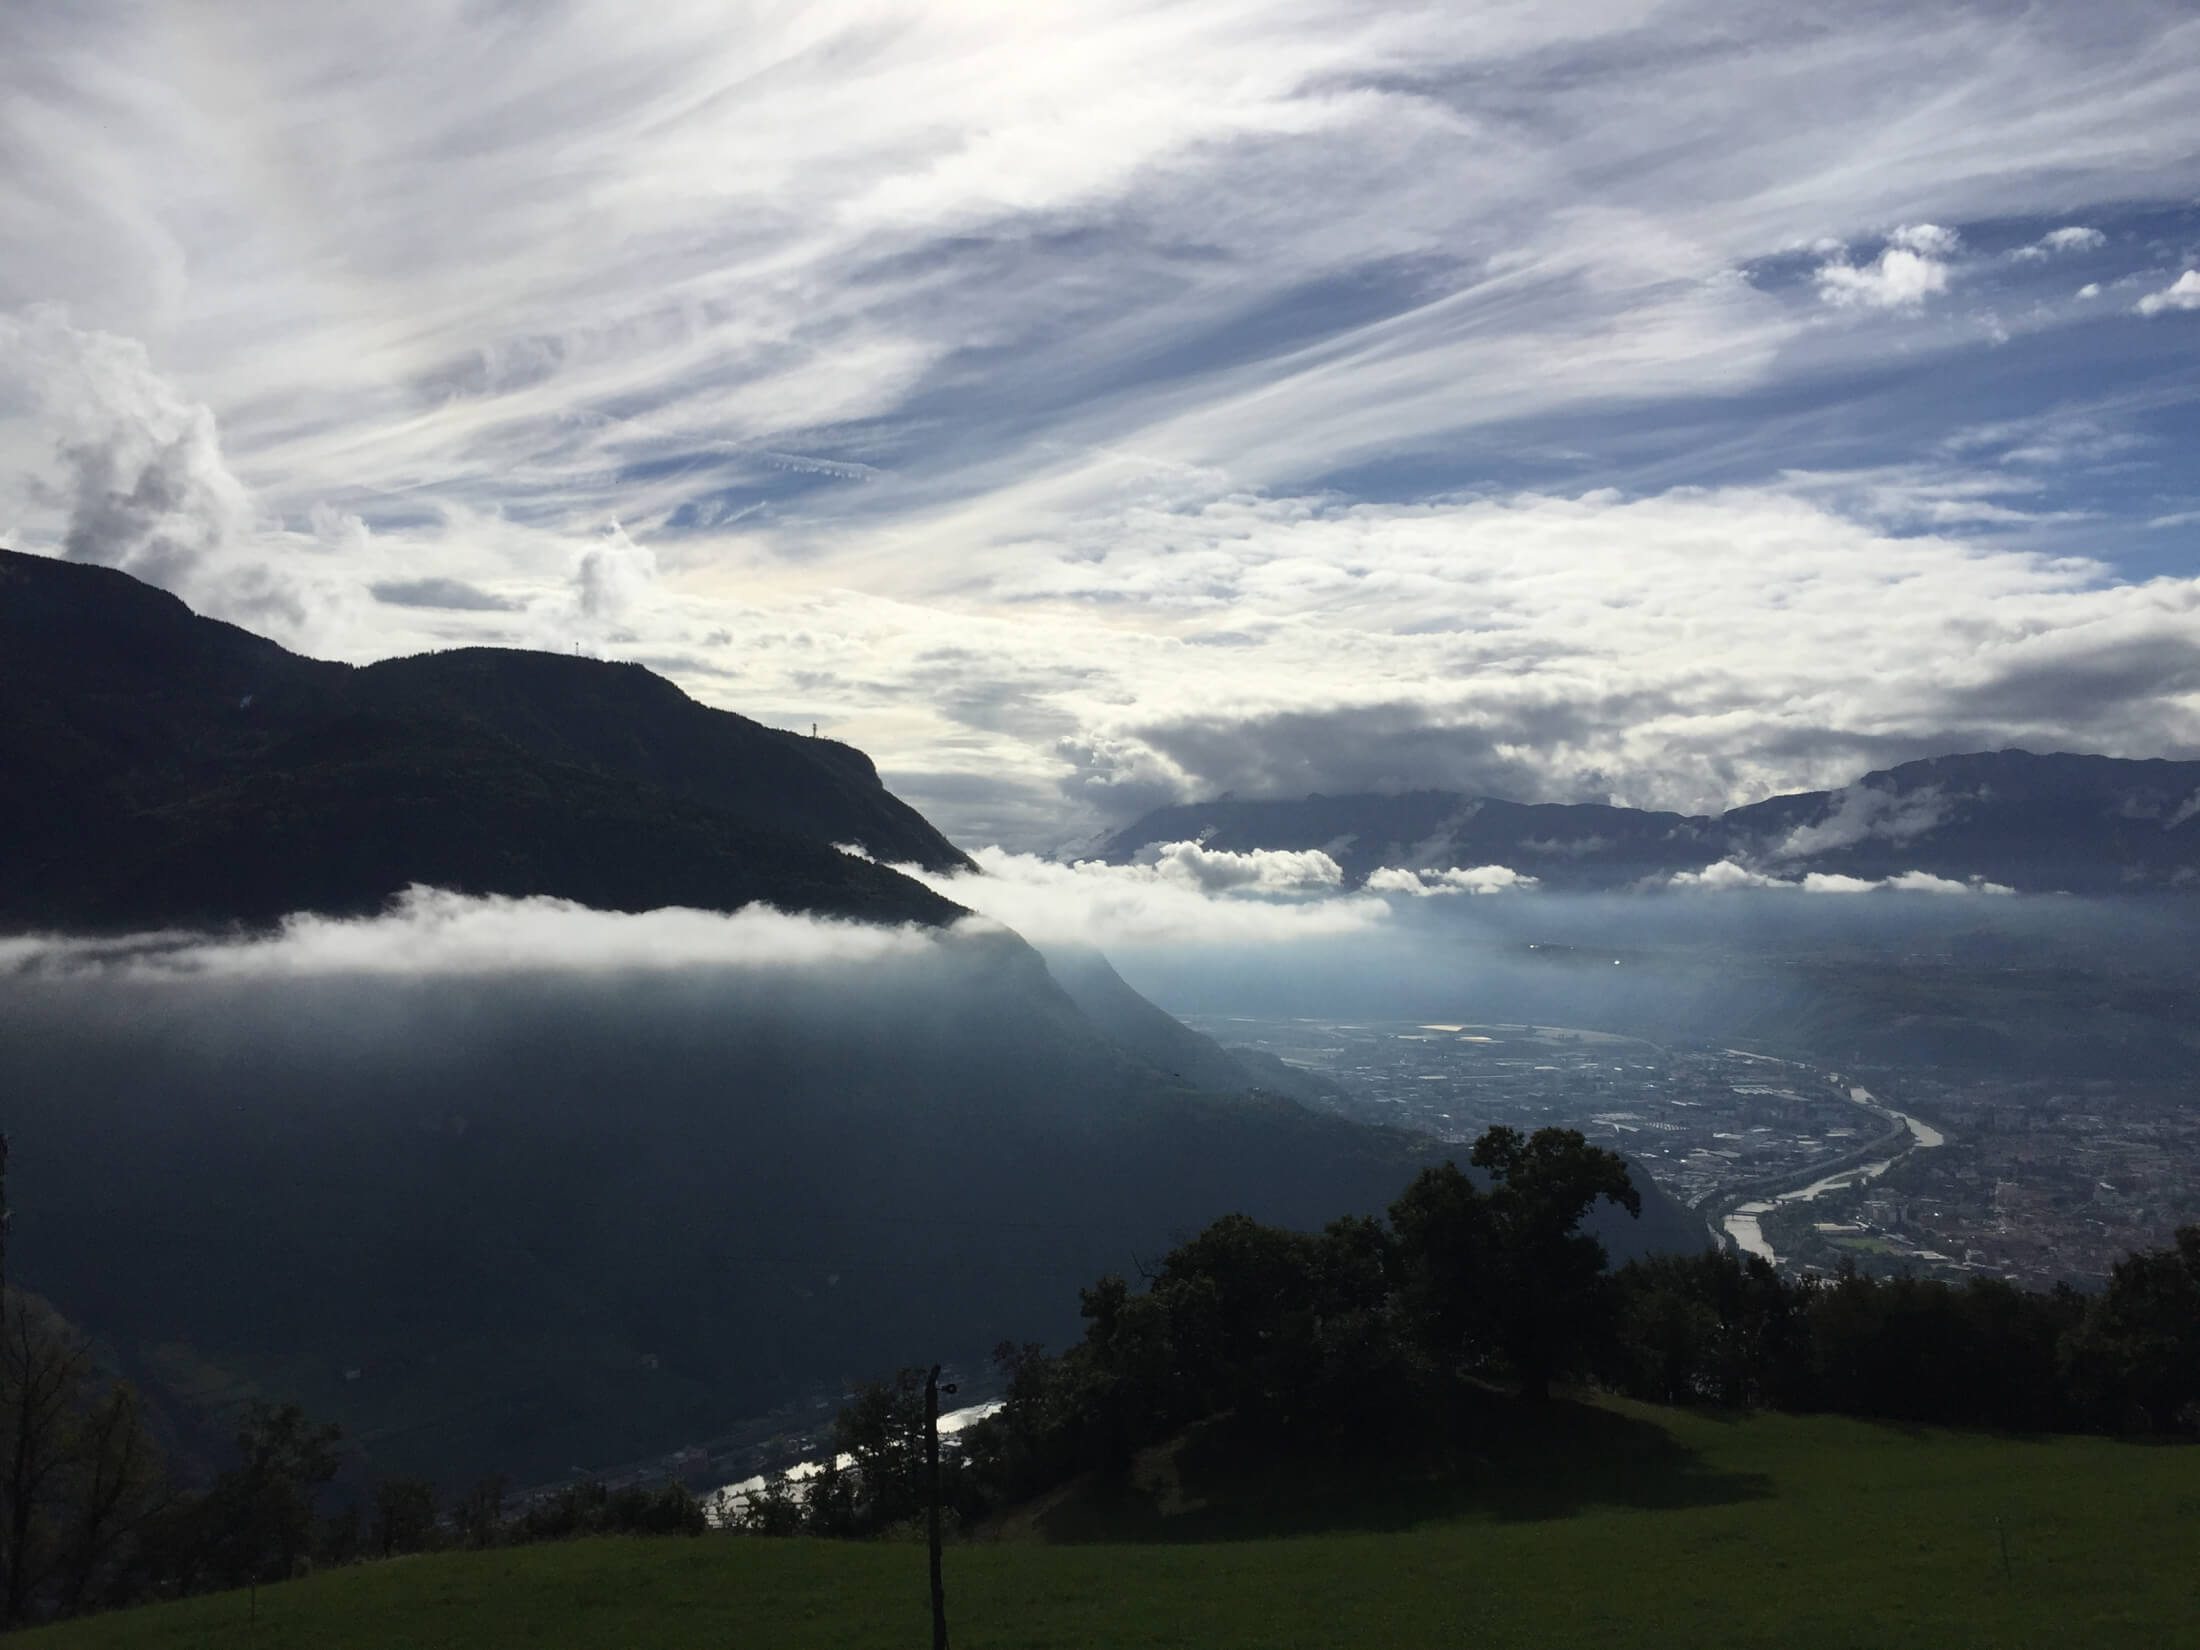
{"type": "Point", "coordinates": [1650, 1528]}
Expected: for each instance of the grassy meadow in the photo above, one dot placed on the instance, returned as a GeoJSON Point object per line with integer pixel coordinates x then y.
{"type": "Point", "coordinates": [1620, 1525]}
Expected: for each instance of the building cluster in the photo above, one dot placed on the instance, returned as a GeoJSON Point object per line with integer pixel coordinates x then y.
{"type": "Point", "coordinates": [2037, 1180]}
{"type": "Point", "coordinates": [1708, 1124]}
{"type": "Point", "coordinates": [2042, 1181]}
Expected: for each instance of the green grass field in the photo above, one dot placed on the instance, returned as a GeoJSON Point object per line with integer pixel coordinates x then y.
{"type": "Point", "coordinates": [1638, 1526]}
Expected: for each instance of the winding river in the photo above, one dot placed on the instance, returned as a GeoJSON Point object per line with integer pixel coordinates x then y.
{"type": "Point", "coordinates": [1743, 1224]}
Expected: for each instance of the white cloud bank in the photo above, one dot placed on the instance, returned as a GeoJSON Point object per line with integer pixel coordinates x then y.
{"type": "Point", "coordinates": [1184, 895]}
{"type": "Point", "coordinates": [1911, 269]}
{"type": "Point", "coordinates": [135, 476]}
{"type": "Point", "coordinates": [1264, 871]}
{"type": "Point", "coordinates": [430, 933]}
{"type": "Point", "coordinates": [1729, 876]}
{"type": "Point", "coordinates": [2182, 293]}
{"type": "Point", "coordinates": [1479, 879]}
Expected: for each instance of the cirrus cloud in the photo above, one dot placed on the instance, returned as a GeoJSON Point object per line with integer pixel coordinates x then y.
{"type": "Point", "coordinates": [1097, 407]}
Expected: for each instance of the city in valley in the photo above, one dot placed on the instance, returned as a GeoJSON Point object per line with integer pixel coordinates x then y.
{"type": "Point", "coordinates": [2037, 1180]}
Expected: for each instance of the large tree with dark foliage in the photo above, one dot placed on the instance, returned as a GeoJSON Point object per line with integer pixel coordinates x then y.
{"type": "Point", "coordinates": [1508, 1271]}
{"type": "Point", "coordinates": [2135, 1361]}
{"type": "Point", "coordinates": [259, 1518]}
{"type": "Point", "coordinates": [1712, 1327]}
{"type": "Point", "coordinates": [80, 1478]}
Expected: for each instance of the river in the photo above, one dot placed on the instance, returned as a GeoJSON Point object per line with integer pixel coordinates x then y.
{"type": "Point", "coordinates": [1743, 1224]}
{"type": "Point", "coordinates": [725, 1501]}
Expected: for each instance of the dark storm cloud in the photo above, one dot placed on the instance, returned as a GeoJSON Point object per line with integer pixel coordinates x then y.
{"type": "Point", "coordinates": [1386, 748]}
{"type": "Point", "coordinates": [2096, 690]}
{"type": "Point", "coordinates": [455, 595]}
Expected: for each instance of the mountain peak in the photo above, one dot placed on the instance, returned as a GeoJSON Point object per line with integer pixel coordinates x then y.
{"type": "Point", "coordinates": [165, 767]}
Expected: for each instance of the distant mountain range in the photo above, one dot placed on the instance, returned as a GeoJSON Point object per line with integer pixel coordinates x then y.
{"type": "Point", "coordinates": [2059, 823]}
{"type": "Point", "coordinates": [164, 769]}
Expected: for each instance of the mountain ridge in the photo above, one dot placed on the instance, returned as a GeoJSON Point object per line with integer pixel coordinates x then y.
{"type": "Point", "coordinates": [2061, 822]}
{"type": "Point", "coordinates": [167, 768]}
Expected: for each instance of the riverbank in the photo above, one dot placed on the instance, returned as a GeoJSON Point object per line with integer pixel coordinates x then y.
{"type": "Point", "coordinates": [1744, 1223]}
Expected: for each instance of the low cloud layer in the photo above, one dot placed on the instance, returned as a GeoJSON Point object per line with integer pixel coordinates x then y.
{"type": "Point", "coordinates": [1480, 879]}
{"type": "Point", "coordinates": [432, 933]}
{"type": "Point", "coordinates": [1729, 876]}
{"type": "Point", "coordinates": [1864, 813]}
{"type": "Point", "coordinates": [1183, 896]}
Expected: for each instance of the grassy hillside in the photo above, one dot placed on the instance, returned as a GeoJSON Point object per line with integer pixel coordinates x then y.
{"type": "Point", "coordinates": [1641, 1527]}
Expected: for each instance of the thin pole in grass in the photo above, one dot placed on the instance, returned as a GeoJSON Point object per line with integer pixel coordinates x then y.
{"type": "Point", "coordinates": [932, 1391]}
{"type": "Point", "coordinates": [5, 1217]}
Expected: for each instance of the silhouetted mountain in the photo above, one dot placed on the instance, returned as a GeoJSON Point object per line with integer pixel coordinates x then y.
{"type": "Point", "coordinates": [2081, 824]}
{"type": "Point", "coordinates": [164, 768]}
{"type": "Point", "coordinates": [2055, 823]}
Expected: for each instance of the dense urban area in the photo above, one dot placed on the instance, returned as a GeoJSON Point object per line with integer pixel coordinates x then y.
{"type": "Point", "coordinates": [2041, 1181]}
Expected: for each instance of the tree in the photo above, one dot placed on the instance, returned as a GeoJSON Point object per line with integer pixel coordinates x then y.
{"type": "Point", "coordinates": [2136, 1357]}
{"type": "Point", "coordinates": [1508, 1271]}
{"type": "Point", "coordinates": [884, 1431]}
{"type": "Point", "coordinates": [79, 1474]}
{"type": "Point", "coordinates": [44, 1370]}
{"type": "Point", "coordinates": [119, 1485]}
{"type": "Point", "coordinates": [261, 1510]}
{"type": "Point", "coordinates": [1710, 1327]}
{"type": "Point", "coordinates": [480, 1512]}
{"type": "Point", "coordinates": [404, 1515]}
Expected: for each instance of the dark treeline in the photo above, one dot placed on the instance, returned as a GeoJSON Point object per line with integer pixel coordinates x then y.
{"type": "Point", "coordinates": [92, 1517]}
{"type": "Point", "coordinates": [1415, 1337]}
{"type": "Point", "coordinates": [1410, 1337]}
{"type": "Point", "coordinates": [1365, 1333]}
{"type": "Point", "coordinates": [1715, 1329]}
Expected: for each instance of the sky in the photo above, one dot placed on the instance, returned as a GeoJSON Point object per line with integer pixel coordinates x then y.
{"type": "Point", "coordinates": [1086, 407]}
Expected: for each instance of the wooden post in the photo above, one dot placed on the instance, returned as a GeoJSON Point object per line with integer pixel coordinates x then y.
{"type": "Point", "coordinates": [5, 1218]}
{"type": "Point", "coordinates": [932, 1471]}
